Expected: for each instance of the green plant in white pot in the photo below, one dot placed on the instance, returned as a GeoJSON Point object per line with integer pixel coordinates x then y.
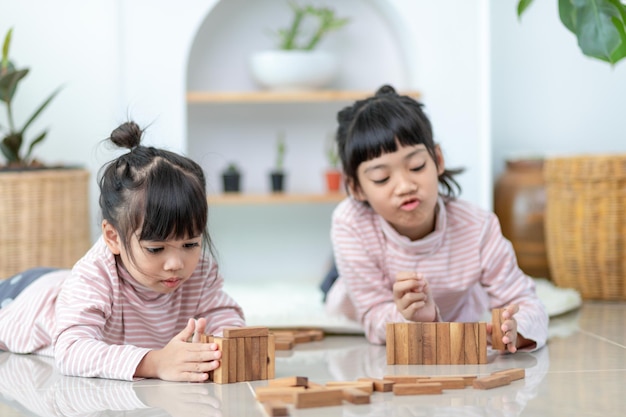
{"type": "Point", "coordinates": [296, 63]}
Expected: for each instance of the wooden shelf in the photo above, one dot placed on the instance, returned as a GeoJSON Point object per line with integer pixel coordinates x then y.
{"type": "Point", "coordinates": [281, 96]}
{"type": "Point", "coordinates": [274, 198]}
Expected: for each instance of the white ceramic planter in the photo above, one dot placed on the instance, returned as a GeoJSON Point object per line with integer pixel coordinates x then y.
{"type": "Point", "coordinates": [293, 70]}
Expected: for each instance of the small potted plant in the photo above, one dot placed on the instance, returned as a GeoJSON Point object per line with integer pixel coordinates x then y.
{"type": "Point", "coordinates": [333, 173]}
{"type": "Point", "coordinates": [231, 178]}
{"type": "Point", "coordinates": [295, 63]}
{"type": "Point", "coordinates": [277, 175]}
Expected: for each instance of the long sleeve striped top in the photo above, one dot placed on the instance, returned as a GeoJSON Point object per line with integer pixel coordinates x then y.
{"type": "Point", "coordinates": [97, 321]}
{"type": "Point", "coordinates": [470, 267]}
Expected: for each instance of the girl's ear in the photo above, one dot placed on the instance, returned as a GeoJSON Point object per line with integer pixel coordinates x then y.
{"type": "Point", "coordinates": [356, 192]}
{"type": "Point", "coordinates": [111, 237]}
{"type": "Point", "coordinates": [441, 165]}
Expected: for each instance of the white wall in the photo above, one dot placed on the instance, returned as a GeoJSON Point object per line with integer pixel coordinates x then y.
{"type": "Point", "coordinates": [548, 98]}
{"type": "Point", "coordinates": [128, 59]}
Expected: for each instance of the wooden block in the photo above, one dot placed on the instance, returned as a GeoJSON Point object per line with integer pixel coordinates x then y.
{"type": "Point", "coordinates": [233, 360]}
{"type": "Point", "coordinates": [402, 379]}
{"type": "Point", "coordinates": [364, 386]}
{"type": "Point", "coordinates": [315, 385]}
{"type": "Point", "coordinates": [482, 343]}
{"type": "Point", "coordinates": [415, 343]}
{"type": "Point", "coordinates": [390, 338]}
{"type": "Point", "coordinates": [447, 382]}
{"type": "Point", "coordinates": [491, 381]}
{"type": "Point", "coordinates": [467, 379]}
{"type": "Point", "coordinates": [283, 344]}
{"type": "Point", "coordinates": [443, 343]}
{"type": "Point", "coordinates": [302, 337]}
{"type": "Point", "coordinates": [429, 343]}
{"type": "Point", "coordinates": [355, 395]}
{"type": "Point", "coordinates": [317, 398]}
{"type": "Point", "coordinates": [470, 342]}
{"type": "Point", "coordinates": [205, 338]}
{"type": "Point", "coordinates": [284, 394]}
{"type": "Point", "coordinates": [271, 357]}
{"type": "Point", "coordinates": [276, 408]}
{"type": "Point", "coordinates": [263, 357]}
{"type": "Point", "coordinates": [220, 375]}
{"type": "Point", "coordinates": [514, 373]}
{"type": "Point", "coordinates": [256, 362]}
{"type": "Point", "coordinates": [401, 343]}
{"type": "Point", "coordinates": [289, 381]}
{"type": "Point", "coordinates": [457, 345]}
{"type": "Point", "coordinates": [316, 334]}
{"type": "Point", "coordinates": [250, 331]}
{"type": "Point", "coordinates": [380, 385]}
{"type": "Point", "coordinates": [241, 359]}
{"type": "Point", "coordinates": [419, 388]}
{"type": "Point", "coordinates": [496, 332]}
{"type": "Point", "coordinates": [249, 353]}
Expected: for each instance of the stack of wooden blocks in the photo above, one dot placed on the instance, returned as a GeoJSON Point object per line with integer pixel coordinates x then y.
{"type": "Point", "coordinates": [442, 343]}
{"type": "Point", "coordinates": [248, 354]}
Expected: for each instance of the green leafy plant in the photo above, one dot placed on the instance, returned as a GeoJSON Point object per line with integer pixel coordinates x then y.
{"type": "Point", "coordinates": [331, 152]}
{"type": "Point", "coordinates": [294, 38]}
{"type": "Point", "coordinates": [281, 148]}
{"type": "Point", "coordinates": [599, 25]}
{"type": "Point", "coordinates": [12, 136]}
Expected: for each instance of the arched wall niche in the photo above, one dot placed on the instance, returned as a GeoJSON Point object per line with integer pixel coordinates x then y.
{"type": "Point", "coordinates": [374, 48]}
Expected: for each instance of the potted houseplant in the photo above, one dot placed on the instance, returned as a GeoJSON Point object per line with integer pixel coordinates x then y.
{"type": "Point", "coordinates": [231, 178]}
{"type": "Point", "coordinates": [296, 64]}
{"type": "Point", "coordinates": [44, 210]}
{"type": "Point", "coordinates": [333, 173]}
{"type": "Point", "coordinates": [277, 175]}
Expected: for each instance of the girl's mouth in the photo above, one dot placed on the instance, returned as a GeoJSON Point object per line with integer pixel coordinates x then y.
{"type": "Point", "coordinates": [171, 283]}
{"type": "Point", "coordinates": [409, 205]}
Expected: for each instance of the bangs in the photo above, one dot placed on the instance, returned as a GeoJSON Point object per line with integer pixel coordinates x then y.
{"type": "Point", "coordinates": [378, 129]}
{"type": "Point", "coordinates": [176, 207]}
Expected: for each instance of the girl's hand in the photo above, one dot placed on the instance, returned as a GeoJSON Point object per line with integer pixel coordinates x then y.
{"type": "Point", "coordinates": [412, 297]}
{"type": "Point", "coordinates": [180, 360]}
{"type": "Point", "coordinates": [511, 338]}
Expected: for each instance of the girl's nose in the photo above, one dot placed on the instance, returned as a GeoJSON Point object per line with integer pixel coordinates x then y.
{"type": "Point", "coordinates": [406, 184]}
{"type": "Point", "coordinates": [174, 262]}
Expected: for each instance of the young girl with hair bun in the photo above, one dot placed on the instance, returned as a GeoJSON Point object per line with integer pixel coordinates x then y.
{"type": "Point", "coordinates": [136, 302]}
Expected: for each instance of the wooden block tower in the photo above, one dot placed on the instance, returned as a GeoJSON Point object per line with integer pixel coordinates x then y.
{"type": "Point", "coordinates": [248, 354]}
{"type": "Point", "coordinates": [436, 343]}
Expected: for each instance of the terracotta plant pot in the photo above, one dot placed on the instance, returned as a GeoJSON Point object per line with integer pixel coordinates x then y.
{"type": "Point", "coordinates": [333, 180]}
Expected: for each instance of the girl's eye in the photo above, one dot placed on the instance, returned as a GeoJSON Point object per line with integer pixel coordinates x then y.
{"type": "Point", "coordinates": [154, 250]}
{"type": "Point", "coordinates": [418, 168]}
{"type": "Point", "coordinates": [191, 245]}
{"type": "Point", "coordinates": [381, 181]}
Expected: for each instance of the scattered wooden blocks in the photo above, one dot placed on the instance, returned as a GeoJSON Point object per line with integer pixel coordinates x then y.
{"type": "Point", "coordinates": [417, 388]}
{"type": "Point", "coordinates": [276, 409]}
{"type": "Point", "coordinates": [247, 354]}
{"type": "Point", "coordinates": [380, 385]}
{"type": "Point", "coordinates": [318, 397]}
{"type": "Point", "coordinates": [436, 343]}
{"type": "Point", "coordinates": [287, 339]}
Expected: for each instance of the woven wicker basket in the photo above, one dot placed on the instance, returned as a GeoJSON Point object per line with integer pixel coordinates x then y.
{"type": "Point", "coordinates": [585, 224]}
{"type": "Point", "coordinates": [44, 218]}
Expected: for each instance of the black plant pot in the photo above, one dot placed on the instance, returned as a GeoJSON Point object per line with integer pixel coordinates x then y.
{"type": "Point", "coordinates": [231, 181]}
{"type": "Point", "coordinates": [278, 181]}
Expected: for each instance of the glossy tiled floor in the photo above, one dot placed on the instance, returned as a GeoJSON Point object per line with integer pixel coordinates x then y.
{"type": "Point", "coordinates": [582, 372]}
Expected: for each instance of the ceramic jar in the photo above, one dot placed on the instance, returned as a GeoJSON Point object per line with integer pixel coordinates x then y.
{"type": "Point", "coordinates": [519, 203]}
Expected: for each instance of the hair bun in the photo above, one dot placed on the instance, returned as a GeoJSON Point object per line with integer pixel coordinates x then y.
{"type": "Point", "coordinates": [127, 135]}
{"type": "Point", "coordinates": [386, 90]}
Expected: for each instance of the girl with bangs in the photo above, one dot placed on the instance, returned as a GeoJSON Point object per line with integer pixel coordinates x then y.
{"type": "Point", "coordinates": [406, 248]}
{"type": "Point", "coordinates": [147, 288]}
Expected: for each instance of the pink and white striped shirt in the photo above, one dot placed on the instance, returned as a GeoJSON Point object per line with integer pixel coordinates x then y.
{"type": "Point", "coordinates": [97, 321]}
{"type": "Point", "coordinates": [470, 267]}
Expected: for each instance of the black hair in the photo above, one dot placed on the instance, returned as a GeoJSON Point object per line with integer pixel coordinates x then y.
{"type": "Point", "coordinates": [159, 193]}
{"type": "Point", "coordinates": [375, 125]}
